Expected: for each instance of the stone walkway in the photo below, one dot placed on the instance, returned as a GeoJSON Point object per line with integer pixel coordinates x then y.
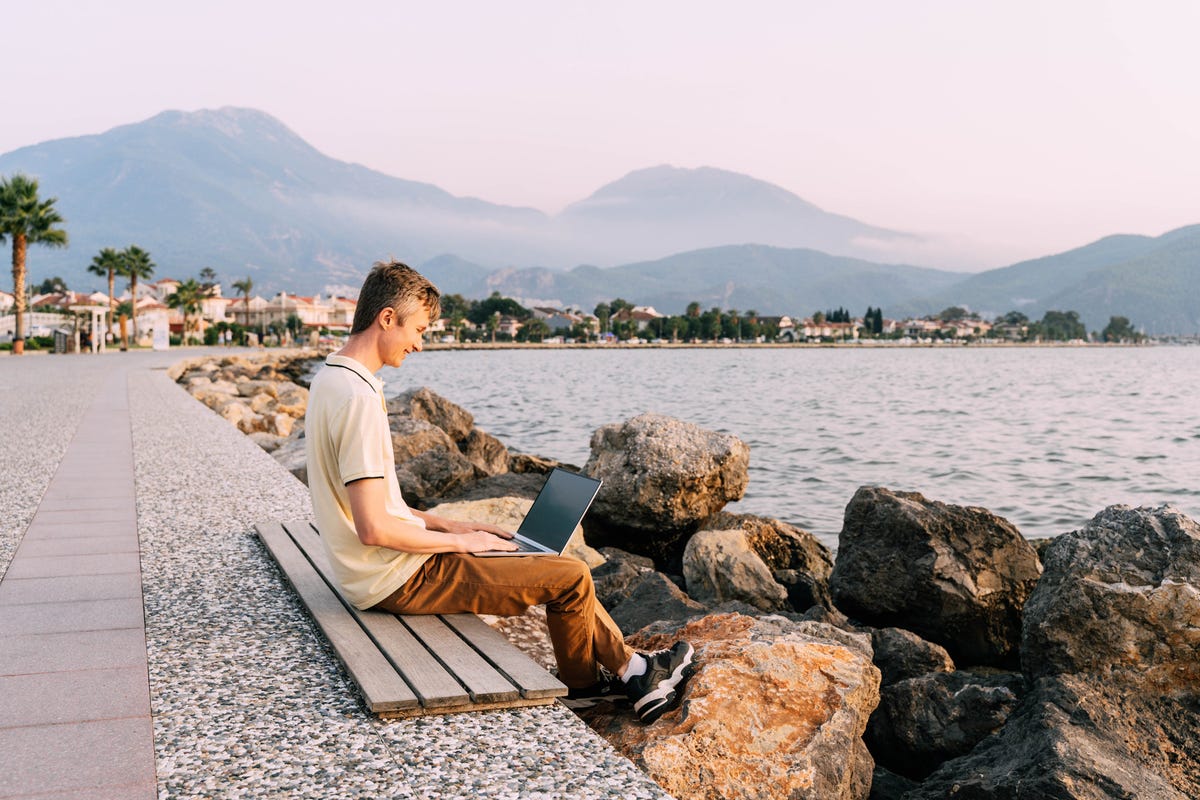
{"type": "Point", "coordinates": [148, 646]}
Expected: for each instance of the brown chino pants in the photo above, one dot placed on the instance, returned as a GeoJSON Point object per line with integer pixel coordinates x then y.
{"type": "Point", "coordinates": [582, 632]}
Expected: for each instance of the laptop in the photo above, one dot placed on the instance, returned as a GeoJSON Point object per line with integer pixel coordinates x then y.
{"type": "Point", "coordinates": [557, 511]}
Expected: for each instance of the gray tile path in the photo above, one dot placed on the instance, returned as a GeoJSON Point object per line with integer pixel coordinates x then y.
{"type": "Point", "coordinates": [74, 694]}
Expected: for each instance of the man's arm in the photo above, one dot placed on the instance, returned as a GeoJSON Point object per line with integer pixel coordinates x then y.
{"type": "Point", "coordinates": [377, 528]}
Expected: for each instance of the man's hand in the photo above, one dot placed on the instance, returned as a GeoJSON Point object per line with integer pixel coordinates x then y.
{"type": "Point", "coordinates": [477, 541]}
{"type": "Point", "coordinates": [435, 523]}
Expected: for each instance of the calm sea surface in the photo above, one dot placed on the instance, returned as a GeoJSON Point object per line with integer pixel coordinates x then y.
{"type": "Point", "coordinates": [1045, 437]}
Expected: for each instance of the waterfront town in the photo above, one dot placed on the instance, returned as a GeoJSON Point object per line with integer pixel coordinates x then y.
{"type": "Point", "coordinates": [172, 312]}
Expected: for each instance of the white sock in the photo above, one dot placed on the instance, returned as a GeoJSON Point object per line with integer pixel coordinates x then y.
{"type": "Point", "coordinates": [637, 666]}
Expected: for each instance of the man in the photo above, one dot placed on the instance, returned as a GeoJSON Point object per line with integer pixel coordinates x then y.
{"type": "Point", "coordinates": [389, 557]}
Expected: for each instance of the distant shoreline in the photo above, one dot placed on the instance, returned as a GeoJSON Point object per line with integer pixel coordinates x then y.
{"type": "Point", "coordinates": [860, 345]}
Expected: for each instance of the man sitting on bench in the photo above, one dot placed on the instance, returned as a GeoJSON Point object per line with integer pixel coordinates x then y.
{"type": "Point", "coordinates": [389, 557]}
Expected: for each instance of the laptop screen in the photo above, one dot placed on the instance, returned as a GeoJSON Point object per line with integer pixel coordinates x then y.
{"type": "Point", "coordinates": [559, 507]}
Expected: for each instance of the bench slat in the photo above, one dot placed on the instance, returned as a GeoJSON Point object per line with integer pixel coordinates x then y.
{"type": "Point", "coordinates": [381, 687]}
{"type": "Point", "coordinates": [485, 684]}
{"type": "Point", "coordinates": [527, 674]}
{"type": "Point", "coordinates": [421, 670]}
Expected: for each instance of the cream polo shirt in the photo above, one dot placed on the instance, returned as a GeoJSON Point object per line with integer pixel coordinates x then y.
{"type": "Point", "coordinates": [347, 438]}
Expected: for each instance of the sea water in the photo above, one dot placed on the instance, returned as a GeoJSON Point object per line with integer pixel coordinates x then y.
{"type": "Point", "coordinates": [1045, 437]}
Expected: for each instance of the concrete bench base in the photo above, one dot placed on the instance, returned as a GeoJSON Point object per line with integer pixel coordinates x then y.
{"type": "Point", "coordinates": [407, 666]}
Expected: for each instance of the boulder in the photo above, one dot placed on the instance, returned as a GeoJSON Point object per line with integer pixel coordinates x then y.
{"type": "Point", "coordinates": [292, 400]}
{"type": "Point", "coordinates": [720, 566]}
{"type": "Point", "coordinates": [780, 545]}
{"type": "Point", "coordinates": [803, 590]}
{"type": "Point", "coordinates": [1120, 601]}
{"type": "Point", "coordinates": [887, 785]}
{"type": "Point", "coordinates": [924, 721]}
{"type": "Point", "coordinates": [615, 578]}
{"type": "Point", "coordinates": [412, 437]}
{"type": "Point", "coordinates": [1112, 645]}
{"type": "Point", "coordinates": [429, 475]}
{"type": "Point", "coordinates": [485, 451]}
{"type": "Point", "coordinates": [262, 403]}
{"type": "Point", "coordinates": [222, 386]}
{"type": "Point", "coordinates": [425, 404]}
{"type": "Point", "coordinates": [901, 655]}
{"type": "Point", "coordinates": [776, 709]}
{"type": "Point", "coordinates": [508, 484]}
{"type": "Point", "coordinates": [267, 441]}
{"type": "Point", "coordinates": [279, 424]}
{"type": "Point", "coordinates": [1075, 739]}
{"type": "Point", "coordinates": [291, 455]}
{"type": "Point", "coordinates": [662, 478]}
{"type": "Point", "coordinates": [507, 512]}
{"type": "Point", "coordinates": [653, 598]}
{"type": "Point", "coordinates": [525, 463]}
{"type": "Point", "coordinates": [250, 388]}
{"type": "Point", "coordinates": [242, 416]}
{"type": "Point", "coordinates": [955, 575]}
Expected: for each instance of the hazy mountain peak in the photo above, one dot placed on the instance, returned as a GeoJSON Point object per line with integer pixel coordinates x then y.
{"type": "Point", "coordinates": [714, 187]}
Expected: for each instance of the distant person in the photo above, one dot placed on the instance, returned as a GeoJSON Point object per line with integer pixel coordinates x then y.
{"type": "Point", "coordinates": [389, 557]}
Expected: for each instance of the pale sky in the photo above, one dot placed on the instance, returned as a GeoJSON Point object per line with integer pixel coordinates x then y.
{"type": "Point", "coordinates": [1005, 130]}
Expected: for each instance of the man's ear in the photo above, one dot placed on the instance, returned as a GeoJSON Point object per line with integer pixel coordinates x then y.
{"type": "Point", "coordinates": [387, 317]}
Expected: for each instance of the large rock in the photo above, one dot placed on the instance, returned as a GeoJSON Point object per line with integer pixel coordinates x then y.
{"type": "Point", "coordinates": [780, 545]}
{"type": "Point", "coordinates": [616, 577]}
{"type": "Point", "coordinates": [508, 484]}
{"type": "Point", "coordinates": [291, 455]}
{"type": "Point", "coordinates": [662, 478]}
{"type": "Point", "coordinates": [425, 404]}
{"type": "Point", "coordinates": [485, 451]}
{"type": "Point", "coordinates": [1112, 641]}
{"type": "Point", "coordinates": [654, 598]}
{"type": "Point", "coordinates": [958, 576]}
{"type": "Point", "coordinates": [507, 512]}
{"type": "Point", "coordinates": [776, 709]}
{"type": "Point", "coordinates": [922, 722]}
{"type": "Point", "coordinates": [720, 566]}
{"type": "Point", "coordinates": [797, 560]}
{"type": "Point", "coordinates": [1075, 739]}
{"type": "Point", "coordinates": [428, 464]}
{"type": "Point", "coordinates": [901, 655]}
{"type": "Point", "coordinates": [1120, 600]}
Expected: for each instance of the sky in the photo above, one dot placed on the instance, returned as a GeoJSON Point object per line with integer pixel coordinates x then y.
{"type": "Point", "coordinates": [997, 130]}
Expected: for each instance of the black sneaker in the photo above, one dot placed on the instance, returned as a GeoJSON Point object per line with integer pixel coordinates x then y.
{"type": "Point", "coordinates": [659, 689]}
{"type": "Point", "coordinates": [609, 689]}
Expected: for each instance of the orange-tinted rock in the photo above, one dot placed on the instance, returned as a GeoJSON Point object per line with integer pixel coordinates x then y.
{"type": "Point", "coordinates": [776, 709]}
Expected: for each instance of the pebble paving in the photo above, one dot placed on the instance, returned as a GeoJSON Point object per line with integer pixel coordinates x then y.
{"type": "Point", "coordinates": [247, 700]}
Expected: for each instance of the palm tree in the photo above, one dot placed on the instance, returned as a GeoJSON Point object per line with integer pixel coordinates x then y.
{"type": "Point", "coordinates": [135, 263]}
{"type": "Point", "coordinates": [28, 220]}
{"type": "Point", "coordinates": [244, 288]}
{"type": "Point", "coordinates": [208, 280]}
{"type": "Point", "coordinates": [106, 264]}
{"type": "Point", "coordinates": [187, 298]}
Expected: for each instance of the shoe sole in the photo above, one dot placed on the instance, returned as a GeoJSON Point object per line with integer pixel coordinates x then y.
{"type": "Point", "coordinates": [668, 693]}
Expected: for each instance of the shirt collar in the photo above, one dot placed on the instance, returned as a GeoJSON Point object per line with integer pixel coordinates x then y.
{"type": "Point", "coordinates": [335, 360]}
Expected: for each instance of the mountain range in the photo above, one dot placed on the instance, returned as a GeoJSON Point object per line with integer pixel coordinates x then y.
{"type": "Point", "coordinates": [236, 190]}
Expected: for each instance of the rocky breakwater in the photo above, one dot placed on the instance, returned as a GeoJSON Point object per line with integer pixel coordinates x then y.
{"type": "Point", "coordinates": [261, 393]}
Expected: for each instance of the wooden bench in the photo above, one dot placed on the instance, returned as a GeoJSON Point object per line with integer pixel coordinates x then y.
{"type": "Point", "coordinates": [407, 666]}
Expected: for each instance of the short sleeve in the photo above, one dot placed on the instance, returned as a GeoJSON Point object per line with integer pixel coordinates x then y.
{"type": "Point", "coordinates": [362, 441]}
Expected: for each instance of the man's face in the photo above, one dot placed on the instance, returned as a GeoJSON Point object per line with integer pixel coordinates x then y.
{"type": "Point", "coordinates": [400, 340]}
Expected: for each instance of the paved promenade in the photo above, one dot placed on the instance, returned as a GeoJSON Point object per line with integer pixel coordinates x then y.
{"type": "Point", "coordinates": [149, 647]}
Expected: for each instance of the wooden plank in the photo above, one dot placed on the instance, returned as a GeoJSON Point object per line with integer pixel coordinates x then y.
{"type": "Point", "coordinates": [527, 674]}
{"type": "Point", "coordinates": [378, 682]}
{"type": "Point", "coordinates": [520, 702]}
{"type": "Point", "coordinates": [433, 684]}
{"type": "Point", "coordinates": [485, 684]}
